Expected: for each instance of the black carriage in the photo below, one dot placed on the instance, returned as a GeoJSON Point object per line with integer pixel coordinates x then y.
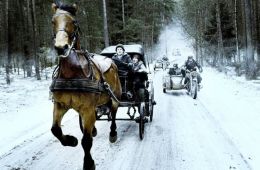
{"type": "Point", "coordinates": [137, 88]}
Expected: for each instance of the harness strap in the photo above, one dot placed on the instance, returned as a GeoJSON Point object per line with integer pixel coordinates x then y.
{"type": "Point", "coordinates": [84, 85]}
{"type": "Point", "coordinates": [89, 56]}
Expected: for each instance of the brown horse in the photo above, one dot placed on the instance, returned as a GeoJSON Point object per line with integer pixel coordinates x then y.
{"type": "Point", "coordinates": [76, 66]}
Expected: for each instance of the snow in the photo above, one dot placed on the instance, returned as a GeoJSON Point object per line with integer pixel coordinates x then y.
{"type": "Point", "coordinates": [219, 130]}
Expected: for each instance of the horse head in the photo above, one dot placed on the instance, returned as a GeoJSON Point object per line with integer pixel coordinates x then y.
{"type": "Point", "coordinates": [65, 29]}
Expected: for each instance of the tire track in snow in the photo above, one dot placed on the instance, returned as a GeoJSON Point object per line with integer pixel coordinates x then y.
{"type": "Point", "coordinates": [225, 135]}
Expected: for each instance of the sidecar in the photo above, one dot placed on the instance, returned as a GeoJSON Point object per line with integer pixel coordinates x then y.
{"type": "Point", "coordinates": [173, 80]}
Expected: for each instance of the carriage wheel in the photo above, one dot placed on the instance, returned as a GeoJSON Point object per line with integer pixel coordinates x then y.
{"type": "Point", "coordinates": [151, 104]}
{"type": "Point", "coordinates": [142, 121]}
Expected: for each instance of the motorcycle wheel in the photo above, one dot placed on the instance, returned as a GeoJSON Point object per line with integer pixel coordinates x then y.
{"type": "Point", "coordinates": [194, 90]}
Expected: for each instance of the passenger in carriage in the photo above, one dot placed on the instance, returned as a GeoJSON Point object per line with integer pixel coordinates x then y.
{"type": "Point", "coordinates": [138, 65]}
{"type": "Point", "coordinates": [140, 74]}
{"type": "Point", "coordinates": [122, 56]}
{"type": "Point", "coordinates": [140, 79]}
{"type": "Point", "coordinates": [124, 64]}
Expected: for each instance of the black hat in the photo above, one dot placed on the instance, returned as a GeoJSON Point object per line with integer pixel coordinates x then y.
{"type": "Point", "coordinates": [120, 46]}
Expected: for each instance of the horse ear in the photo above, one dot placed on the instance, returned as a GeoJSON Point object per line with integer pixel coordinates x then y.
{"type": "Point", "coordinates": [75, 6]}
{"type": "Point", "coordinates": [54, 7]}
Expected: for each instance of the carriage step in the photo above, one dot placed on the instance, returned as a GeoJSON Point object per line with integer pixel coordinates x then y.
{"type": "Point", "coordinates": [154, 102]}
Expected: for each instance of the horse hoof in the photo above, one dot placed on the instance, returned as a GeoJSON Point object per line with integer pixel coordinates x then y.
{"type": "Point", "coordinates": [113, 139]}
{"type": "Point", "coordinates": [91, 168]}
{"type": "Point", "coordinates": [94, 132]}
{"type": "Point", "coordinates": [70, 141]}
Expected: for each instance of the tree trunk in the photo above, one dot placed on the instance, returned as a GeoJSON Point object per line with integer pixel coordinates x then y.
{"type": "Point", "coordinates": [34, 25]}
{"type": "Point", "coordinates": [220, 38]}
{"type": "Point", "coordinates": [27, 43]}
{"type": "Point", "coordinates": [197, 36]}
{"type": "Point", "coordinates": [236, 32]}
{"type": "Point", "coordinates": [250, 63]}
{"type": "Point", "coordinates": [123, 18]}
{"type": "Point", "coordinates": [106, 39]}
{"type": "Point", "coordinates": [201, 30]}
{"type": "Point", "coordinates": [257, 29]}
{"type": "Point", "coordinates": [9, 36]}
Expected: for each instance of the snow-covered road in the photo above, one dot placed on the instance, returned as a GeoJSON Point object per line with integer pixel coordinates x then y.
{"type": "Point", "coordinates": [219, 130]}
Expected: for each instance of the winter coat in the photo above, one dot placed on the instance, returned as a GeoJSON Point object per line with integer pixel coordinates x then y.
{"type": "Point", "coordinates": [125, 58]}
{"type": "Point", "coordinates": [190, 65]}
{"type": "Point", "coordinates": [139, 67]}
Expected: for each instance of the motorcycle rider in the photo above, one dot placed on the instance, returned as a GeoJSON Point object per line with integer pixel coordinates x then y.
{"type": "Point", "coordinates": [165, 62]}
{"type": "Point", "coordinates": [191, 65]}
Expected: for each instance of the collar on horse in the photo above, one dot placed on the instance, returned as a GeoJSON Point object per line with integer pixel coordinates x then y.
{"type": "Point", "coordinates": [88, 84]}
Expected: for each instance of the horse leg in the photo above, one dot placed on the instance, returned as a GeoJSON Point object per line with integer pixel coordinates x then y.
{"type": "Point", "coordinates": [113, 133]}
{"type": "Point", "coordinates": [58, 114]}
{"type": "Point", "coordinates": [94, 131]}
{"type": "Point", "coordinates": [88, 122]}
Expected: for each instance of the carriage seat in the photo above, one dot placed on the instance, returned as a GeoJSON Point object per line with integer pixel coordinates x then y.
{"type": "Point", "coordinates": [102, 62]}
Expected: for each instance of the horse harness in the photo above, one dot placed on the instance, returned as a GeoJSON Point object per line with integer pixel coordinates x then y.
{"type": "Point", "coordinates": [79, 85]}
{"type": "Point", "coordinates": [88, 84]}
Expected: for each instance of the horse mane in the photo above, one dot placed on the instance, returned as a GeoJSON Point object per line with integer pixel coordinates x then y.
{"type": "Point", "coordinates": [69, 8]}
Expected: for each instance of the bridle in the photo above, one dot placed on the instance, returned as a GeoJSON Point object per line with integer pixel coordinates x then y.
{"type": "Point", "coordinates": [74, 35]}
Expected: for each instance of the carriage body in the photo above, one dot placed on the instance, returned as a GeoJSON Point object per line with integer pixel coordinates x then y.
{"type": "Point", "coordinates": [137, 88]}
{"type": "Point", "coordinates": [127, 77]}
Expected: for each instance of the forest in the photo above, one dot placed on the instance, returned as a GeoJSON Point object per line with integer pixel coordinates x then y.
{"type": "Point", "coordinates": [224, 33]}
{"type": "Point", "coordinates": [26, 37]}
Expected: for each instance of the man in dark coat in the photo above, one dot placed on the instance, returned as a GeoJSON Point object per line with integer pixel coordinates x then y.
{"type": "Point", "coordinates": [122, 59]}
{"type": "Point", "coordinates": [122, 55]}
{"type": "Point", "coordinates": [125, 66]}
{"type": "Point", "coordinates": [191, 65]}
